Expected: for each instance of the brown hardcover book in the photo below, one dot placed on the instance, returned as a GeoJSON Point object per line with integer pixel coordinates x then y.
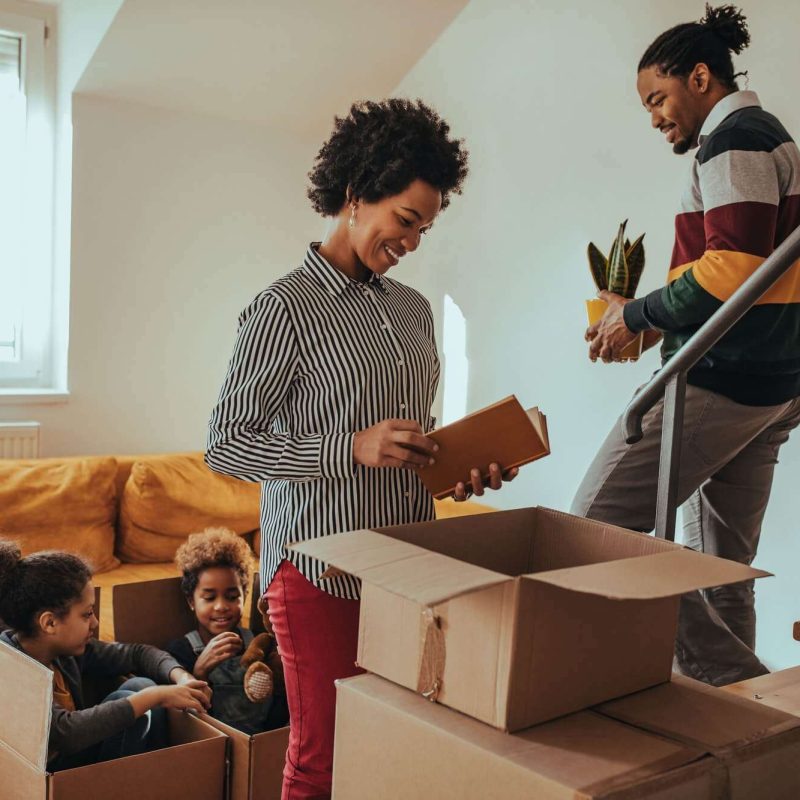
{"type": "Point", "coordinates": [503, 433]}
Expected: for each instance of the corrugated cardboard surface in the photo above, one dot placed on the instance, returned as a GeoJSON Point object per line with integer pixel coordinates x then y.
{"type": "Point", "coordinates": [538, 613]}
{"type": "Point", "coordinates": [155, 612]}
{"type": "Point", "coordinates": [193, 767]}
{"type": "Point", "coordinates": [779, 690]}
{"type": "Point", "coordinates": [20, 779]}
{"type": "Point", "coordinates": [151, 612]}
{"type": "Point", "coordinates": [759, 745]}
{"type": "Point", "coordinates": [595, 648]}
{"type": "Point", "coordinates": [392, 744]}
{"type": "Point", "coordinates": [256, 761]}
{"type": "Point", "coordinates": [26, 698]}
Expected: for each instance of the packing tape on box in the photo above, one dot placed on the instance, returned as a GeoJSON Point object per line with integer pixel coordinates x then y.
{"type": "Point", "coordinates": [431, 667]}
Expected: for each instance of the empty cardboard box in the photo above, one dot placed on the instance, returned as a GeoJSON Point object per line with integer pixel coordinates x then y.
{"type": "Point", "coordinates": [758, 745]}
{"type": "Point", "coordinates": [393, 745]}
{"type": "Point", "coordinates": [518, 617]}
{"type": "Point", "coordinates": [155, 612]}
{"type": "Point", "coordinates": [193, 766]}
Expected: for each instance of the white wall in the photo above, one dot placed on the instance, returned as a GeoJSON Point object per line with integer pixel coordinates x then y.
{"type": "Point", "coordinates": [178, 221]}
{"type": "Point", "coordinates": [562, 151]}
{"type": "Point", "coordinates": [82, 24]}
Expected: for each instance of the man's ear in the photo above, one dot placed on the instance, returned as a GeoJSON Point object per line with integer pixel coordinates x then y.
{"type": "Point", "coordinates": [700, 79]}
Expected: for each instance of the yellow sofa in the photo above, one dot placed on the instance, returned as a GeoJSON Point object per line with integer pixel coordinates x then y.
{"type": "Point", "coordinates": [128, 514]}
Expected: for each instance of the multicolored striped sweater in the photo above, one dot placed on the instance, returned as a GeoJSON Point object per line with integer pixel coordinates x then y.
{"type": "Point", "coordinates": [742, 201]}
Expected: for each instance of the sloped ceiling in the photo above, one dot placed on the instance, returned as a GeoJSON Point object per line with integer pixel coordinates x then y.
{"type": "Point", "coordinates": [286, 65]}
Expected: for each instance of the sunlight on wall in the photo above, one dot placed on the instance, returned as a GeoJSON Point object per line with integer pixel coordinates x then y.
{"type": "Point", "coordinates": [456, 364]}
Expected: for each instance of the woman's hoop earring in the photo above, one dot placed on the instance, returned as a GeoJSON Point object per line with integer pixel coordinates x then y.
{"type": "Point", "coordinates": [352, 222]}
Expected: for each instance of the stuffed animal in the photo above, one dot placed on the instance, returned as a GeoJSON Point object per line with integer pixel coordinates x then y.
{"type": "Point", "coordinates": [264, 675]}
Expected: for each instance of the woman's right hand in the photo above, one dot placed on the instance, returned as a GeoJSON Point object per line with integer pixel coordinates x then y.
{"type": "Point", "coordinates": [222, 647]}
{"type": "Point", "coordinates": [394, 443]}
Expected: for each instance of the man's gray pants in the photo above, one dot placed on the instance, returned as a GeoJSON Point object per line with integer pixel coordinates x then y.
{"type": "Point", "coordinates": [728, 457]}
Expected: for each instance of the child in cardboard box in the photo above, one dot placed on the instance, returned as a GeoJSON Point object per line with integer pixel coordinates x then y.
{"type": "Point", "coordinates": [47, 600]}
{"type": "Point", "coordinates": [216, 570]}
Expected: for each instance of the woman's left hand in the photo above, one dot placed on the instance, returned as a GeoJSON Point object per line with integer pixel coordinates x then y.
{"type": "Point", "coordinates": [476, 485]}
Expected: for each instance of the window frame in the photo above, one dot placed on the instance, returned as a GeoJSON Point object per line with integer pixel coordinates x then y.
{"type": "Point", "coordinates": [33, 370]}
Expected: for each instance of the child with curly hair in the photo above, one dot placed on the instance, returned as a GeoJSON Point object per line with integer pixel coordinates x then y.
{"type": "Point", "coordinates": [47, 600]}
{"type": "Point", "coordinates": [216, 569]}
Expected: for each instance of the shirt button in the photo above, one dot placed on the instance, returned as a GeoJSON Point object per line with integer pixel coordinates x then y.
{"type": "Point", "coordinates": [402, 406]}
{"type": "Point", "coordinates": [407, 494]}
{"type": "Point", "coordinates": [384, 327]}
{"type": "Point", "coordinates": [400, 363]}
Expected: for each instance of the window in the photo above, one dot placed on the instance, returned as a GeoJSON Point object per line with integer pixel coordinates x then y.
{"type": "Point", "coordinates": [26, 179]}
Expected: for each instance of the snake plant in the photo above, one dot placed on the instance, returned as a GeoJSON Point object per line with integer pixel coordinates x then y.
{"type": "Point", "coordinates": [621, 271]}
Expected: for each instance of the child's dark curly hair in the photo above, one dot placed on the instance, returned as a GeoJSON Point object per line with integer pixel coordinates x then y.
{"type": "Point", "coordinates": [214, 547]}
{"type": "Point", "coordinates": [46, 581]}
{"type": "Point", "coordinates": [379, 149]}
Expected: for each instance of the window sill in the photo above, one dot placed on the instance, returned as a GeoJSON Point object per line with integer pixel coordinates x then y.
{"type": "Point", "coordinates": [24, 397]}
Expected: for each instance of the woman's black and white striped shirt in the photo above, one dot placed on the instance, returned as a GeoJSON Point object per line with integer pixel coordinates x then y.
{"type": "Point", "coordinates": [318, 357]}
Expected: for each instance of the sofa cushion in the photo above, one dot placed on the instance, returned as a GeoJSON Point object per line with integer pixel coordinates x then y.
{"type": "Point", "coordinates": [61, 503]}
{"type": "Point", "coordinates": [168, 497]}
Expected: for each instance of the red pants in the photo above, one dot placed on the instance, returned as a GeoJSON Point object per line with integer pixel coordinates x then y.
{"type": "Point", "coordinates": [317, 636]}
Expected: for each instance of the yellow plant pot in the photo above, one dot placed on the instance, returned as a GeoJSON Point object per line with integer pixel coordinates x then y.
{"type": "Point", "coordinates": [595, 310]}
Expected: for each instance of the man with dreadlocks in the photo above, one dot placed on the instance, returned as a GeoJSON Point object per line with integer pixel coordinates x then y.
{"type": "Point", "coordinates": [741, 202]}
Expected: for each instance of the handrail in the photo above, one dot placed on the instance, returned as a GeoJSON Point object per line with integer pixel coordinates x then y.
{"type": "Point", "coordinates": [720, 322]}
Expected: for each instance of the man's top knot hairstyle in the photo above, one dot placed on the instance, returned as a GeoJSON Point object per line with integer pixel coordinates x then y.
{"type": "Point", "coordinates": [378, 149]}
{"type": "Point", "coordinates": [722, 31]}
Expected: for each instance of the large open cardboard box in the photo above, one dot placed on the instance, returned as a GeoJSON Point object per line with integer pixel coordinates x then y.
{"type": "Point", "coordinates": [393, 745]}
{"type": "Point", "coordinates": [155, 612]}
{"type": "Point", "coordinates": [193, 766]}
{"type": "Point", "coordinates": [759, 745]}
{"type": "Point", "coordinates": [518, 617]}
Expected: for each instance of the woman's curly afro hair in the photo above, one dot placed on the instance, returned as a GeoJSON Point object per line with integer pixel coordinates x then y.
{"type": "Point", "coordinates": [214, 547]}
{"type": "Point", "coordinates": [378, 149]}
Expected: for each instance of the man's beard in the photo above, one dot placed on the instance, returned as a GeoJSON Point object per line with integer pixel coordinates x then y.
{"type": "Point", "coordinates": [685, 144]}
{"type": "Point", "coordinates": [681, 146]}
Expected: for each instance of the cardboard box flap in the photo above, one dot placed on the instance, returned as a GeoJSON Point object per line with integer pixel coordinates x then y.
{"type": "Point", "coordinates": [399, 567]}
{"type": "Point", "coordinates": [25, 706]}
{"type": "Point", "coordinates": [699, 715]}
{"type": "Point", "coordinates": [151, 612]}
{"type": "Point", "coordinates": [651, 576]}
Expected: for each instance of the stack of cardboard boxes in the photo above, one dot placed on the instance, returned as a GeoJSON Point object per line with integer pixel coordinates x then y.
{"type": "Point", "coordinates": [545, 641]}
{"type": "Point", "coordinates": [524, 626]}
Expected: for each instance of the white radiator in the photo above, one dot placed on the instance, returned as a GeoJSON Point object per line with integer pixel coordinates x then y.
{"type": "Point", "coordinates": [19, 439]}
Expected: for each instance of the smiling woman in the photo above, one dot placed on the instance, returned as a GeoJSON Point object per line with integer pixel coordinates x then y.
{"type": "Point", "coordinates": [328, 397]}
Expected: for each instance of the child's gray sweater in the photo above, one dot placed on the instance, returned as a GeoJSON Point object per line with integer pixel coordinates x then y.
{"type": "Point", "coordinates": [73, 731]}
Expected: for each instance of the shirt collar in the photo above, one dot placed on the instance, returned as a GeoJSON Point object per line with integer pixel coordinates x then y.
{"type": "Point", "coordinates": [333, 280]}
{"type": "Point", "coordinates": [735, 101]}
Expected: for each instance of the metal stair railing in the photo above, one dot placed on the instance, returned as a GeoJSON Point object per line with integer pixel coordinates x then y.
{"type": "Point", "coordinates": [670, 381]}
